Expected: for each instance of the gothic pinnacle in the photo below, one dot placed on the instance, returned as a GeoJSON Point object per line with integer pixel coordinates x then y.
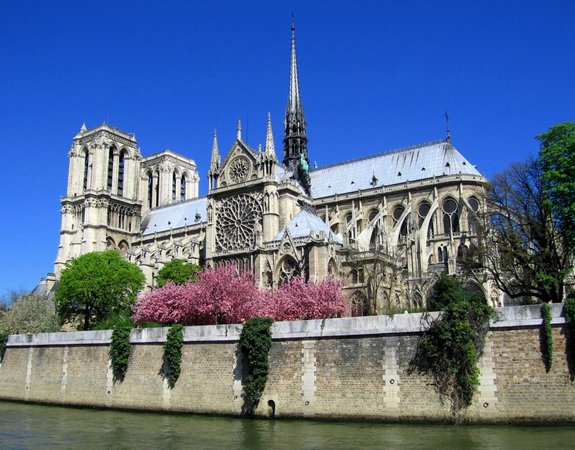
{"type": "Point", "coordinates": [215, 159]}
{"type": "Point", "coordinates": [270, 147]}
{"type": "Point", "coordinates": [239, 130]}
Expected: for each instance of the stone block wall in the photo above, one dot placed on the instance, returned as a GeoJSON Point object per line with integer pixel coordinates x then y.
{"type": "Point", "coordinates": [352, 368]}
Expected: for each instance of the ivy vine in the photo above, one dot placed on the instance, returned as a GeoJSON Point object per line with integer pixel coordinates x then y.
{"type": "Point", "coordinates": [449, 349]}
{"type": "Point", "coordinates": [547, 344]}
{"type": "Point", "coordinates": [255, 343]}
{"type": "Point", "coordinates": [120, 352]}
{"type": "Point", "coordinates": [3, 342]}
{"type": "Point", "coordinates": [173, 354]}
{"type": "Point", "coordinates": [569, 312]}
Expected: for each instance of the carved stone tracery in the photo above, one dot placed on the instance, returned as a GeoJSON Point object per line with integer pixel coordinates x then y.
{"type": "Point", "coordinates": [237, 219]}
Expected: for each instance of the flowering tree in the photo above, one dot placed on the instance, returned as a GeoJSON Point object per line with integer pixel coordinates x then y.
{"type": "Point", "coordinates": [219, 295]}
{"type": "Point", "coordinates": [300, 300]}
{"type": "Point", "coordinates": [222, 295]}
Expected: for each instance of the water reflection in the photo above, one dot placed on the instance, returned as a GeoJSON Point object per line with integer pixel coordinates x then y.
{"type": "Point", "coordinates": [33, 426]}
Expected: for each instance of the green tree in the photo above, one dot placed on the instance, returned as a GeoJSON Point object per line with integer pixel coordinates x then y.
{"type": "Point", "coordinates": [178, 272]}
{"type": "Point", "coordinates": [29, 313]}
{"type": "Point", "coordinates": [557, 161]}
{"type": "Point", "coordinates": [97, 286]}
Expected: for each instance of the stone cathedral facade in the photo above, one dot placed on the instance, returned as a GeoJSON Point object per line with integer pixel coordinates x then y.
{"type": "Point", "coordinates": [385, 224]}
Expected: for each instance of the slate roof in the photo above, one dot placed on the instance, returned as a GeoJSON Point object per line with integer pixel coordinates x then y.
{"type": "Point", "coordinates": [432, 159]}
{"type": "Point", "coordinates": [175, 216]}
{"type": "Point", "coordinates": [303, 224]}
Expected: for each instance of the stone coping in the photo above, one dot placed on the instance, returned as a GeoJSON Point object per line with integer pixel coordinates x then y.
{"type": "Point", "coordinates": [398, 324]}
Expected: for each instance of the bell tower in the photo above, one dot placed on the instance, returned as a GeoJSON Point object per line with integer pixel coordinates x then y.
{"type": "Point", "coordinates": [101, 209]}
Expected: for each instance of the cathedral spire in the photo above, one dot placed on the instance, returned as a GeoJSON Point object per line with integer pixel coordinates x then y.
{"type": "Point", "coordinates": [294, 101]}
{"type": "Point", "coordinates": [270, 148]}
{"type": "Point", "coordinates": [215, 160]}
{"type": "Point", "coordinates": [295, 139]}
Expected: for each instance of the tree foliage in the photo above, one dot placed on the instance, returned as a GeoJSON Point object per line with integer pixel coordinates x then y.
{"type": "Point", "coordinates": [96, 286]}
{"type": "Point", "coordinates": [221, 295]}
{"type": "Point", "coordinates": [29, 313]}
{"type": "Point", "coordinates": [557, 161]}
{"type": "Point", "coordinates": [450, 347]}
{"type": "Point", "coordinates": [177, 272]}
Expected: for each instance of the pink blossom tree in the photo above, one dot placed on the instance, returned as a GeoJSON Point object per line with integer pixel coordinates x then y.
{"type": "Point", "coordinates": [299, 300]}
{"type": "Point", "coordinates": [219, 295]}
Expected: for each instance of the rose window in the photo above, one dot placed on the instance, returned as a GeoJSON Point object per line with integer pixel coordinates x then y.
{"type": "Point", "coordinates": [238, 219]}
{"type": "Point", "coordinates": [239, 169]}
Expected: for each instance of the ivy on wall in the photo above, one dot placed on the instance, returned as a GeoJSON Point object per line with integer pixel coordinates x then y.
{"type": "Point", "coordinates": [547, 344]}
{"type": "Point", "coordinates": [120, 352]}
{"type": "Point", "coordinates": [173, 354]}
{"type": "Point", "coordinates": [3, 342]}
{"type": "Point", "coordinates": [449, 349]}
{"type": "Point", "coordinates": [255, 343]}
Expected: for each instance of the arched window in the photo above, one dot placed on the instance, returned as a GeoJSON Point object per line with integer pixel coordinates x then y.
{"type": "Point", "coordinates": [174, 179]}
{"type": "Point", "coordinates": [288, 269]}
{"type": "Point", "coordinates": [157, 190]}
{"type": "Point", "coordinates": [110, 168]}
{"type": "Point", "coordinates": [183, 187]}
{"type": "Point", "coordinates": [375, 233]}
{"type": "Point", "coordinates": [359, 304]}
{"type": "Point", "coordinates": [450, 216]}
{"type": "Point", "coordinates": [121, 173]}
{"type": "Point", "coordinates": [350, 230]}
{"type": "Point", "coordinates": [474, 204]}
{"type": "Point", "coordinates": [86, 168]}
{"type": "Point", "coordinates": [150, 189]}
{"type": "Point", "coordinates": [422, 212]}
{"type": "Point", "coordinates": [397, 213]}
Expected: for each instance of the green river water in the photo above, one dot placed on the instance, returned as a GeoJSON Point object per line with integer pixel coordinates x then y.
{"type": "Point", "coordinates": [26, 426]}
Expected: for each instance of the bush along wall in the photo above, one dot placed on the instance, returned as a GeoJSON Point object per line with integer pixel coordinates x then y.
{"type": "Point", "coordinates": [547, 337]}
{"type": "Point", "coordinates": [173, 354]}
{"type": "Point", "coordinates": [255, 343]}
{"type": "Point", "coordinates": [120, 352]}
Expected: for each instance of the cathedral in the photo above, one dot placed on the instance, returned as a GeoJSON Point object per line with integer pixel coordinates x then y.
{"type": "Point", "coordinates": [385, 225]}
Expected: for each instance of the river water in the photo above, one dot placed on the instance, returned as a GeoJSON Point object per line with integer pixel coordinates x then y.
{"type": "Point", "coordinates": [26, 426]}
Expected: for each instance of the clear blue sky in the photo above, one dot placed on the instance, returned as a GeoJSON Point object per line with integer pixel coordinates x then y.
{"type": "Point", "coordinates": [374, 75]}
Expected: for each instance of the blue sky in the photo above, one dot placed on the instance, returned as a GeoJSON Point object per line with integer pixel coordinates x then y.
{"type": "Point", "coordinates": [374, 75]}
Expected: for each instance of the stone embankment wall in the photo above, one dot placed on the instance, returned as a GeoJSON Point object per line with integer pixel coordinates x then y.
{"type": "Point", "coordinates": [352, 368]}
